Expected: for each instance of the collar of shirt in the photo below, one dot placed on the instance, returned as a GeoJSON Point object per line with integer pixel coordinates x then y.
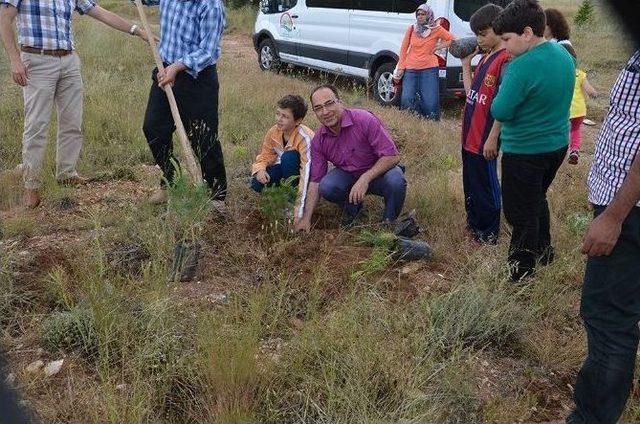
{"type": "Point", "coordinates": [346, 120]}
{"type": "Point", "coordinates": [277, 136]}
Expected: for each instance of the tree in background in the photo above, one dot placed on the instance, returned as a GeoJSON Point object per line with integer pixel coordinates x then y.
{"type": "Point", "coordinates": [584, 14]}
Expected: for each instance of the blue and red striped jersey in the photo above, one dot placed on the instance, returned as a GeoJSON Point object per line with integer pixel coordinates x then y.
{"type": "Point", "coordinates": [477, 119]}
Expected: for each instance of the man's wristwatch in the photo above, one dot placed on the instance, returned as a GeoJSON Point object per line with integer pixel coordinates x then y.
{"type": "Point", "coordinates": [134, 29]}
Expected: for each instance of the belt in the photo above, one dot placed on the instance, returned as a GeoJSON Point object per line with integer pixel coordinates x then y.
{"type": "Point", "coordinates": [55, 52]}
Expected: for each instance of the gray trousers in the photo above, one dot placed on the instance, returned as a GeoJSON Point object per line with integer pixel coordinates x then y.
{"type": "Point", "coordinates": [51, 80]}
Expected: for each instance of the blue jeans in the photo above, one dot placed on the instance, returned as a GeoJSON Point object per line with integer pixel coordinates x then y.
{"type": "Point", "coordinates": [289, 166]}
{"type": "Point", "coordinates": [424, 83]}
{"type": "Point", "coordinates": [336, 186]}
{"type": "Point", "coordinates": [482, 196]}
{"type": "Point", "coordinates": [610, 308]}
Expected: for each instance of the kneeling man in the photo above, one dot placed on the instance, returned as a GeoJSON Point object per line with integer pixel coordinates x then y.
{"type": "Point", "coordinates": [364, 155]}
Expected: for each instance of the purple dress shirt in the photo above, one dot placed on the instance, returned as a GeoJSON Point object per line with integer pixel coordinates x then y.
{"type": "Point", "coordinates": [362, 140]}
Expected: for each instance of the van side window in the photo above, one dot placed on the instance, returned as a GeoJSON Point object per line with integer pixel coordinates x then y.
{"type": "Point", "coordinates": [406, 6]}
{"type": "Point", "coordinates": [465, 8]}
{"type": "Point", "coordinates": [376, 5]}
{"type": "Point", "coordinates": [331, 4]}
{"type": "Point", "coordinates": [276, 6]}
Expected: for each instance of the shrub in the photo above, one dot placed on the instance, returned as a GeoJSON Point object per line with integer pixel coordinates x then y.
{"type": "Point", "coordinates": [71, 331]}
{"type": "Point", "coordinates": [276, 202]}
{"type": "Point", "coordinates": [585, 13]}
{"type": "Point", "coordinates": [471, 316]}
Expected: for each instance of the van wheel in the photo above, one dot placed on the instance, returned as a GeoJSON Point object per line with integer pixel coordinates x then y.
{"type": "Point", "coordinates": [267, 56]}
{"type": "Point", "coordinates": [383, 90]}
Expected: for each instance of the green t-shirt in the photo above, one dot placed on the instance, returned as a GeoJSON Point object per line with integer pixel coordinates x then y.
{"type": "Point", "coordinates": [534, 99]}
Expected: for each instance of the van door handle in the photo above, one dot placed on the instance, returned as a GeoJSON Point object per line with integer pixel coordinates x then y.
{"type": "Point", "coordinates": [294, 16]}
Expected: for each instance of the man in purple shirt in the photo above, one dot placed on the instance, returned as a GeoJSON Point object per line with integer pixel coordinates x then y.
{"type": "Point", "coordinates": [364, 155]}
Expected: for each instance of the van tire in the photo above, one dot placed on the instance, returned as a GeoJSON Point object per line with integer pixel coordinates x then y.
{"type": "Point", "coordinates": [268, 58]}
{"type": "Point", "coordinates": [383, 85]}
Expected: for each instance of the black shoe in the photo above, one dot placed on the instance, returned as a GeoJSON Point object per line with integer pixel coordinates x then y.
{"type": "Point", "coordinates": [547, 256]}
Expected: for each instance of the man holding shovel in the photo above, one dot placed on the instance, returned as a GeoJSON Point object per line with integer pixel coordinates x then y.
{"type": "Point", "coordinates": [190, 36]}
{"type": "Point", "coordinates": [48, 69]}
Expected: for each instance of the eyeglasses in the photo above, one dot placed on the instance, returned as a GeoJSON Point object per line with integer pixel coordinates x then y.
{"type": "Point", "coordinates": [327, 105]}
{"type": "Point", "coordinates": [421, 14]}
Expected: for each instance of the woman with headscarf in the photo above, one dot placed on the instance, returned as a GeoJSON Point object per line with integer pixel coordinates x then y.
{"type": "Point", "coordinates": [418, 64]}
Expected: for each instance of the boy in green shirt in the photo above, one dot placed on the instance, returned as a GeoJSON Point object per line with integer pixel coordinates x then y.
{"type": "Point", "coordinates": [533, 106]}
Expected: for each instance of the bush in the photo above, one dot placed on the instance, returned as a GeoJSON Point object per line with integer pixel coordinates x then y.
{"type": "Point", "coordinates": [471, 316]}
{"type": "Point", "coordinates": [585, 13]}
{"type": "Point", "coordinates": [276, 202]}
{"type": "Point", "coordinates": [71, 331]}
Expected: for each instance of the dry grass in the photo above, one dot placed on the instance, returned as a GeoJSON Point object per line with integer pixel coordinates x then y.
{"type": "Point", "coordinates": [278, 327]}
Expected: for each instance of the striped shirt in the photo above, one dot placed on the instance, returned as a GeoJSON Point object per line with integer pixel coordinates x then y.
{"type": "Point", "coordinates": [477, 120]}
{"type": "Point", "coordinates": [46, 24]}
{"type": "Point", "coordinates": [190, 32]}
{"type": "Point", "coordinates": [619, 139]}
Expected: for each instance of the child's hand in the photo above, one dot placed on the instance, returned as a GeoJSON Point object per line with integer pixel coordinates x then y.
{"type": "Point", "coordinates": [490, 150]}
{"type": "Point", "coordinates": [594, 94]}
{"type": "Point", "coordinates": [263, 177]}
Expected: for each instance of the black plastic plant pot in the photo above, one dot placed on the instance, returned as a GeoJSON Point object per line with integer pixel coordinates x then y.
{"type": "Point", "coordinates": [186, 255]}
{"type": "Point", "coordinates": [407, 228]}
{"type": "Point", "coordinates": [412, 250]}
{"type": "Point", "coordinates": [463, 47]}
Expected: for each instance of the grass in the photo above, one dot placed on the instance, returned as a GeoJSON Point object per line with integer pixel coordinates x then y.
{"type": "Point", "coordinates": [324, 328]}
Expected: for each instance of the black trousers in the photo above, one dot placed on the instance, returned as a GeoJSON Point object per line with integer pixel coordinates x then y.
{"type": "Point", "coordinates": [197, 100]}
{"type": "Point", "coordinates": [610, 308]}
{"type": "Point", "coordinates": [525, 181]}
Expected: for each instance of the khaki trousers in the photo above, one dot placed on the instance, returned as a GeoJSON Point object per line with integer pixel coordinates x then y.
{"type": "Point", "coordinates": [51, 80]}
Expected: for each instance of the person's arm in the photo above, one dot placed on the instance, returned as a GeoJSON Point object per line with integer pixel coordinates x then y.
{"type": "Point", "coordinates": [115, 21]}
{"type": "Point", "coordinates": [387, 152]}
{"type": "Point", "coordinates": [313, 194]}
{"type": "Point", "coordinates": [604, 231]}
{"type": "Point", "coordinates": [510, 96]}
{"type": "Point", "coordinates": [8, 13]}
{"type": "Point", "coordinates": [490, 149]}
{"type": "Point", "coordinates": [467, 73]}
{"type": "Point", "coordinates": [304, 150]}
{"type": "Point", "coordinates": [588, 89]}
{"type": "Point", "coordinates": [265, 158]}
{"type": "Point", "coordinates": [402, 54]}
{"type": "Point", "coordinates": [359, 189]}
{"type": "Point", "coordinates": [446, 38]}
{"type": "Point", "coordinates": [317, 171]}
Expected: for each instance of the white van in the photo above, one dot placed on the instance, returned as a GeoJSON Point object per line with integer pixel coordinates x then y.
{"type": "Point", "coordinates": [360, 38]}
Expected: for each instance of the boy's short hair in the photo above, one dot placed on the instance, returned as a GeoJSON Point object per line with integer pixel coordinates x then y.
{"type": "Point", "coordinates": [295, 104]}
{"type": "Point", "coordinates": [519, 15]}
{"type": "Point", "coordinates": [483, 18]}
{"type": "Point", "coordinates": [557, 24]}
{"type": "Point", "coordinates": [501, 3]}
